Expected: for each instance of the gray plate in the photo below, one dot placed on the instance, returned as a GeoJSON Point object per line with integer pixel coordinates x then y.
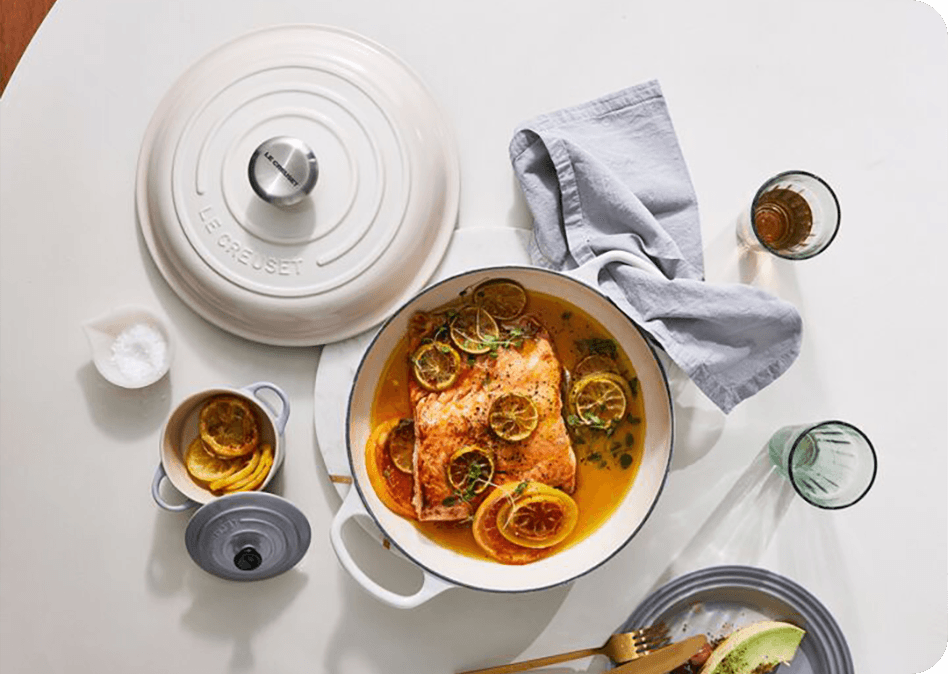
{"type": "Point", "coordinates": [718, 600]}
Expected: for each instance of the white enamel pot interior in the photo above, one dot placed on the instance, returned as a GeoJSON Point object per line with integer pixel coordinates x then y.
{"type": "Point", "coordinates": [182, 427]}
{"type": "Point", "coordinates": [444, 568]}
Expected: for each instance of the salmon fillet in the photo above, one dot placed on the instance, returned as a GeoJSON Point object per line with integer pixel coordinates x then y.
{"type": "Point", "coordinates": [449, 420]}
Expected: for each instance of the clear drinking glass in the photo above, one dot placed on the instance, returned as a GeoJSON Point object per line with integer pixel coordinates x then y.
{"type": "Point", "coordinates": [794, 215]}
{"type": "Point", "coordinates": [831, 464]}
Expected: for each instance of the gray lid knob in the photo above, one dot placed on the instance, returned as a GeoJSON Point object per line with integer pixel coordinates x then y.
{"type": "Point", "coordinates": [283, 171]}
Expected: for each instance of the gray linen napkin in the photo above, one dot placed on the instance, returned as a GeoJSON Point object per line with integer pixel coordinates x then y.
{"type": "Point", "coordinates": [609, 174]}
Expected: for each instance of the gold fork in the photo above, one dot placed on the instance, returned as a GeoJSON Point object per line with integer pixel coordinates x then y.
{"type": "Point", "coordinates": [619, 647]}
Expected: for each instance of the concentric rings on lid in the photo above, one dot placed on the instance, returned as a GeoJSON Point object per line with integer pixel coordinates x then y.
{"type": "Point", "coordinates": [294, 260]}
{"type": "Point", "coordinates": [248, 536]}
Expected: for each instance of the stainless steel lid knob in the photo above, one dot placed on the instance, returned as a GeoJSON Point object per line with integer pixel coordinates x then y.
{"type": "Point", "coordinates": [283, 171]}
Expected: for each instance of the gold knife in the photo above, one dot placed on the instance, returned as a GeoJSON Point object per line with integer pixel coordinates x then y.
{"type": "Point", "coordinates": [664, 659]}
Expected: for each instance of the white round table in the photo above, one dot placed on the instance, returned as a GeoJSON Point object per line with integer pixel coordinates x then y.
{"type": "Point", "coordinates": [94, 577]}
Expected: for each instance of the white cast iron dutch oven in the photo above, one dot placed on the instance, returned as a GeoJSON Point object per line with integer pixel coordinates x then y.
{"type": "Point", "coordinates": [444, 568]}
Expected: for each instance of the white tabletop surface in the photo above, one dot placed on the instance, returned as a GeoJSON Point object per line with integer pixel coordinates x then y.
{"type": "Point", "coordinates": [94, 577]}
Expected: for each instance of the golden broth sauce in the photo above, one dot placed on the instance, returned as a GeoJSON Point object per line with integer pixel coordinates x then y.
{"type": "Point", "coordinates": [606, 462]}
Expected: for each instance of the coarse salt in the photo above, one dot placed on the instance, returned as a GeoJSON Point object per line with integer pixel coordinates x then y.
{"type": "Point", "coordinates": [140, 353]}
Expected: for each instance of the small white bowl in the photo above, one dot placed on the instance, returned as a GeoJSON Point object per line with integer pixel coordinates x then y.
{"type": "Point", "coordinates": [182, 427]}
{"type": "Point", "coordinates": [103, 332]}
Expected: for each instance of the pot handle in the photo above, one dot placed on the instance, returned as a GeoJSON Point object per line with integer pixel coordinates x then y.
{"type": "Point", "coordinates": [588, 273]}
{"type": "Point", "coordinates": [432, 585]}
{"type": "Point", "coordinates": [284, 413]}
{"type": "Point", "coordinates": [160, 475]}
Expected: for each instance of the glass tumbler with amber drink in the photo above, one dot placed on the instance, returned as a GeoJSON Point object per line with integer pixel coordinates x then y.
{"type": "Point", "coordinates": [794, 215]}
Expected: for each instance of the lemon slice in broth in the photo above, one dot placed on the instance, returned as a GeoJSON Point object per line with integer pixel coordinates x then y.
{"type": "Point", "coordinates": [474, 331]}
{"type": "Point", "coordinates": [513, 417]}
{"type": "Point", "coordinates": [503, 299]}
{"type": "Point", "coordinates": [600, 400]}
{"type": "Point", "coordinates": [541, 518]}
{"type": "Point", "coordinates": [436, 365]}
{"type": "Point", "coordinates": [471, 469]}
{"type": "Point", "coordinates": [593, 364]}
{"type": "Point", "coordinates": [401, 445]}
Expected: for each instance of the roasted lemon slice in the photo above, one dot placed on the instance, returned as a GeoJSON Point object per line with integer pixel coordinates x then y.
{"type": "Point", "coordinates": [471, 469]}
{"type": "Point", "coordinates": [229, 427]}
{"type": "Point", "coordinates": [488, 535]}
{"type": "Point", "coordinates": [622, 382]}
{"type": "Point", "coordinates": [593, 364]}
{"type": "Point", "coordinates": [540, 518]}
{"type": "Point", "coordinates": [474, 330]}
{"type": "Point", "coordinates": [599, 400]}
{"type": "Point", "coordinates": [246, 469]}
{"type": "Point", "coordinates": [401, 445]}
{"type": "Point", "coordinates": [392, 486]}
{"type": "Point", "coordinates": [436, 365]}
{"type": "Point", "coordinates": [256, 478]}
{"type": "Point", "coordinates": [513, 417]}
{"type": "Point", "coordinates": [503, 299]}
{"type": "Point", "coordinates": [204, 466]}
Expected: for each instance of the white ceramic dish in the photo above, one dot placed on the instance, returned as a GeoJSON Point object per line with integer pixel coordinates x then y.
{"type": "Point", "coordinates": [445, 568]}
{"type": "Point", "coordinates": [182, 427]}
{"type": "Point", "coordinates": [102, 333]}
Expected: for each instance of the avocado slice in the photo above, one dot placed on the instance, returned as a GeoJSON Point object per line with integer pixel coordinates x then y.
{"type": "Point", "coordinates": [756, 648]}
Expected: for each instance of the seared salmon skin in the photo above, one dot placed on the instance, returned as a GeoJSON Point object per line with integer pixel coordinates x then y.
{"type": "Point", "coordinates": [449, 420]}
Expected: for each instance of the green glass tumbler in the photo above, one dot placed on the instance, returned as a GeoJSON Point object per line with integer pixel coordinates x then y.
{"type": "Point", "coordinates": [831, 464]}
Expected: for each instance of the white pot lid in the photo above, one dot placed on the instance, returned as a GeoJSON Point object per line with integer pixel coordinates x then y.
{"type": "Point", "coordinates": [297, 185]}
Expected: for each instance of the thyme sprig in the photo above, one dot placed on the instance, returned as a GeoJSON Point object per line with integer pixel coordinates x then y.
{"type": "Point", "coordinates": [476, 476]}
{"type": "Point", "coordinates": [513, 337]}
{"type": "Point", "coordinates": [473, 479]}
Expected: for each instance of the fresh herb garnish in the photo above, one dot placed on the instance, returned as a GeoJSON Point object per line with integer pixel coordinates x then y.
{"type": "Point", "coordinates": [599, 346]}
{"type": "Point", "coordinates": [512, 337]}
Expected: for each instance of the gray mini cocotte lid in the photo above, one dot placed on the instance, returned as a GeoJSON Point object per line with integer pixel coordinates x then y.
{"type": "Point", "coordinates": [248, 536]}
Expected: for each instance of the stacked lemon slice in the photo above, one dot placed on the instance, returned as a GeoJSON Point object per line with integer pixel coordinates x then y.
{"type": "Point", "coordinates": [227, 456]}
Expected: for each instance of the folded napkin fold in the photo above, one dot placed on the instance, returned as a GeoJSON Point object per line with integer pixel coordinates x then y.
{"type": "Point", "coordinates": [609, 175]}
